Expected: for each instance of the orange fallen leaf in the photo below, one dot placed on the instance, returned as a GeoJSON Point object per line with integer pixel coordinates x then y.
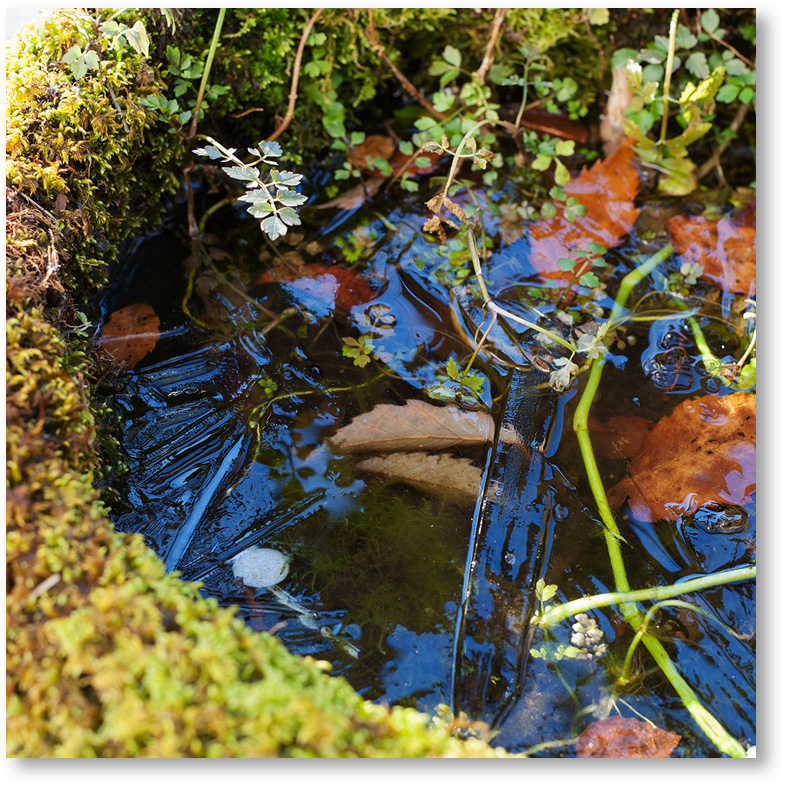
{"type": "Point", "coordinates": [702, 453]}
{"type": "Point", "coordinates": [414, 426]}
{"type": "Point", "coordinates": [725, 248]}
{"type": "Point", "coordinates": [335, 284]}
{"type": "Point", "coordinates": [607, 190]}
{"type": "Point", "coordinates": [130, 333]}
{"type": "Point", "coordinates": [625, 737]}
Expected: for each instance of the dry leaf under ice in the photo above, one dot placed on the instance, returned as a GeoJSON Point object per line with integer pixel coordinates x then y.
{"type": "Point", "coordinates": [415, 426]}
{"type": "Point", "coordinates": [453, 479]}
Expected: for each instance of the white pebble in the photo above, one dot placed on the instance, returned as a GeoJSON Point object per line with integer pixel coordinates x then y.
{"type": "Point", "coordinates": [260, 568]}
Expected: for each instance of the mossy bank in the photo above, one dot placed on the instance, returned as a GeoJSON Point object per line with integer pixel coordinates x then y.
{"type": "Point", "coordinates": [107, 654]}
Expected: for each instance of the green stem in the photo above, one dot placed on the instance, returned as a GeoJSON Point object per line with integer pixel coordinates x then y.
{"type": "Point", "coordinates": [207, 66]}
{"type": "Point", "coordinates": [706, 721]}
{"type": "Point", "coordinates": [666, 85]}
{"type": "Point", "coordinates": [625, 672]}
{"type": "Point", "coordinates": [559, 613]}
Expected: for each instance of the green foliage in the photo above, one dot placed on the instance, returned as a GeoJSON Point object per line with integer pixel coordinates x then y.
{"type": "Point", "coordinates": [456, 383]}
{"type": "Point", "coordinates": [272, 201]}
{"type": "Point", "coordinates": [359, 350]}
{"type": "Point", "coordinates": [721, 75]}
{"type": "Point", "coordinates": [93, 144]}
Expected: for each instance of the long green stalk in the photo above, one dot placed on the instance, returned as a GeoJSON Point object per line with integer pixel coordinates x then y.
{"type": "Point", "coordinates": [207, 67]}
{"type": "Point", "coordinates": [559, 613]}
{"type": "Point", "coordinates": [666, 85]}
{"type": "Point", "coordinates": [705, 719]}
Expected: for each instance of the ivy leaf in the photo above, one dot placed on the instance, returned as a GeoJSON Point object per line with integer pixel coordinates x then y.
{"type": "Point", "coordinates": [137, 38]}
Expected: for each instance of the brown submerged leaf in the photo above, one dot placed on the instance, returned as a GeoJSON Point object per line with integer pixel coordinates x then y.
{"type": "Point", "coordinates": [453, 479]}
{"type": "Point", "coordinates": [625, 737]}
{"type": "Point", "coordinates": [355, 196]}
{"type": "Point", "coordinates": [130, 334]}
{"type": "Point", "coordinates": [726, 248]}
{"type": "Point", "coordinates": [415, 426]}
{"type": "Point", "coordinates": [703, 452]}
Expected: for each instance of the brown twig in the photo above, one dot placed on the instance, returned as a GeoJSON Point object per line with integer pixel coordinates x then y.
{"type": "Point", "coordinates": [407, 85]}
{"type": "Point", "coordinates": [733, 49]}
{"type": "Point", "coordinates": [119, 110]}
{"type": "Point", "coordinates": [707, 166]}
{"type": "Point", "coordinates": [487, 60]}
{"type": "Point", "coordinates": [295, 78]}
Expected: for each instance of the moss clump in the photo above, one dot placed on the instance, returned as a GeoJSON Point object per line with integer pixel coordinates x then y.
{"type": "Point", "coordinates": [85, 149]}
{"type": "Point", "coordinates": [106, 653]}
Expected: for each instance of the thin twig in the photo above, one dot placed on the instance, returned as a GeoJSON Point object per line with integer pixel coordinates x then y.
{"type": "Point", "coordinates": [119, 110]}
{"type": "Point", "coordinates": [407, 85]}
{"type": "Point", "coordinates": [487, 60]}
{"type": "Point", "coordinates": [295, 77]}
{"type": "Point", "coordinates": [733, 49]}
{"type": "Point", "coordinates": [707, 166]}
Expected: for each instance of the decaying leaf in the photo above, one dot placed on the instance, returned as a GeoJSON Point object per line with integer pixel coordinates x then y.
{"type": "Point", "coordinates": [355, 196]}
{"type": "Point", "coordinates": [625, 737]}
{"type": "Point", "coordinates": [620, 436]}
{"type": "Point", "coordinates": [335, 286]}
{"type": "Point", "coordinates": [607, 190]}
{"type": "Point", "coordinates": [373, 146]}
{"type": "Point", "coordinates": [704, 452]}
{"type": "Point", "coordinates": [725, 248]}
{"type": "Point", "coordinates": [130, 333]}
{"type": "Point", "coordinates": [453, 479]}
{"type": "Point", "coordinates": [415, 426]}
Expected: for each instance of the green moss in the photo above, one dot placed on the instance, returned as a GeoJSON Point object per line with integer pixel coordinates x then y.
{"type": "Point", "coordinates": [106, 653]}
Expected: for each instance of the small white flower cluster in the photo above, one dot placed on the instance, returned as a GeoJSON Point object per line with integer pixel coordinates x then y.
{"type": "Point", "coordinates": [586, 635]}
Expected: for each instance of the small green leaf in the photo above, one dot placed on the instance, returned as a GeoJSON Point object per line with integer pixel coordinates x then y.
{"type": "Point", "coordinates": [407, 148]}
{"type": "Point", "coordinates": [710, 20]}
{"type": "Point", "coordinates": [589, 279]}
{"type": "Point", "coordinates": [566, 264]}
{"type": "Point", "coordinates": [599, 16]}
{"type": "Point", "coordinates": [452, 56]}
{"type": "Point", "coordinates": [541, 162]}
{"type": "Point", "coordinates": [565, 147]}
{"type": "Point", "coordinates": [561, 175]}
{"type": "Point", "coordinates": [597, 248]}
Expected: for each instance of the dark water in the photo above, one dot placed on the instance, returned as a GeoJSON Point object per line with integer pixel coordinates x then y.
{"type": "Point", "coordinates": [414, 599]}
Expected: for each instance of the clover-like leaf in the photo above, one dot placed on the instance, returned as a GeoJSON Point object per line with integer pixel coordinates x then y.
{"type": "Point", "coordinates": [274, 227]}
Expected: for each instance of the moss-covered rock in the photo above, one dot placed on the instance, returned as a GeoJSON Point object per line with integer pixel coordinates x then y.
{"type": "Point", "coordinates": [107, 654]}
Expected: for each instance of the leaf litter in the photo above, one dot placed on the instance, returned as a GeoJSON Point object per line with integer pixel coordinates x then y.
{"type": "Point", "coordinates": [130, 333]}
{"type": "Point", "coordinates": [703, 453]}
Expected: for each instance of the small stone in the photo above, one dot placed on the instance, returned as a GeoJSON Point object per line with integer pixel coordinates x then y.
{"type": "Point", "coordinates": [260, 568]}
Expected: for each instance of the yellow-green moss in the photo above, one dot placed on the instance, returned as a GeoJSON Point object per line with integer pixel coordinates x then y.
{"type": "Point", "coordinates": [107, 654]}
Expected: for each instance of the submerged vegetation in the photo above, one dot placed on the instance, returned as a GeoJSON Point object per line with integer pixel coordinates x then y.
{"type": "Point", "coordinates": [110, 113]}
